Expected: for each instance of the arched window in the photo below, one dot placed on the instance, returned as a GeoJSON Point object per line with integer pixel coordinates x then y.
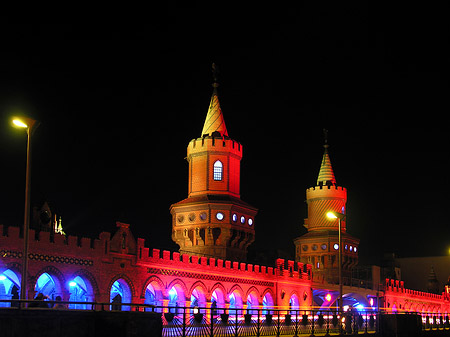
{"type": "Point", "coordinates": [218, 170]}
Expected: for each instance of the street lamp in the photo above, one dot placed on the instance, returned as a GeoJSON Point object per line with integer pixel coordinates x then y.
{"type": "Point", "coordinates": [30, 125]}
{"type": "Point", "coordinates": [339, 216]}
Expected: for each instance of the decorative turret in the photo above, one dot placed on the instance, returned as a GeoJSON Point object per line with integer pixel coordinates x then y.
{"type": "Point", "coordinates": [319, 246]}
{"type": "Point", "coordinates": [213, 221]}
{"type": "Point", "coordinates": [433, 283]}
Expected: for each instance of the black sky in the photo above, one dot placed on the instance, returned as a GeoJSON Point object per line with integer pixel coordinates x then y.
{"type": "Point", "coordinates": [119, 100]}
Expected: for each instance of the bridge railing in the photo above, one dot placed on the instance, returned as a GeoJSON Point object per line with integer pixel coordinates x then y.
{"type": "Point", "coordinates": [232, 322]}
{"type": "Point", "coordinates": [264, 322]}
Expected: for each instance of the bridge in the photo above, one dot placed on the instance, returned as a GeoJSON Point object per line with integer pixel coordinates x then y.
{"type": "Point", "coordinates": [52, 318]}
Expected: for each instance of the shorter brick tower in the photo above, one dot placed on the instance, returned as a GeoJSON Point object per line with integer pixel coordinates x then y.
{"type": "Point", "coordinates": [319, 246]}
{"type": "Point", "coordinates": [213, 221]}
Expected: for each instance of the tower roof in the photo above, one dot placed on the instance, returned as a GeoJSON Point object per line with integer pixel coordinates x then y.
{"type": "Point", "coordinates": [326, 174]}
{"type": "Point", "coordinates": [214, 121]}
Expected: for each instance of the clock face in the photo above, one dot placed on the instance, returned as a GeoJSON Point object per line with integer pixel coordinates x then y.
{"type": "Point", "coordinates": [234, 218]}
{"type": "Point", "coordinates": [219, 216]}
{"type": "Point", "coordinates": [203, 216]}
{"type": "Point", "coordinates": [242, 219]}
{"type": "Point", "coordinates": [250, 222]}
{"type": "Point", "coordinates": [336, 246]}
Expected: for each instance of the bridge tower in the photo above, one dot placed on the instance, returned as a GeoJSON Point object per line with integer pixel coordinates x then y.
{"type": "Point", "coordinates": [319, 246]}
{"type": "Point", "coordinates": [213, 221]}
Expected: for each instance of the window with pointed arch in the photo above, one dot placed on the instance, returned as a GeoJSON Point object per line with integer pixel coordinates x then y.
{"type": "Point", "coordinates": [218, 170]}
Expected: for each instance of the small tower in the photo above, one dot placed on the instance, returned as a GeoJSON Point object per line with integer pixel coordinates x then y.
{"type": "Point", "coordinates": [319, 247]}
{"type": "Point", "coordinates": [433, 283]}
{"type": "Point", "coordinates": [213, 221]}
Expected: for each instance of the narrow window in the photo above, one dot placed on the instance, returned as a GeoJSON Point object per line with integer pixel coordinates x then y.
{"type": "Point", "coordinates": [218, 169]}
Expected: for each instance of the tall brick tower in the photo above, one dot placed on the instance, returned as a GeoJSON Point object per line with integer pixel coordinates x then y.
{"type": "Point", "coordinates": [319, 246]}
{"type": "Point", "coordinates": [213, 221]}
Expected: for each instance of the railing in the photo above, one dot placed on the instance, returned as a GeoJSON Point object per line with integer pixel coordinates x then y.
{"type": "Point", "coordinates": [435, 321]}
{"type": "Point", "coordinates": [232, 322]}
{"type": "Point", "coordinates": [235, 322]}
{"type": "Point", "coordinates": [264, 322]}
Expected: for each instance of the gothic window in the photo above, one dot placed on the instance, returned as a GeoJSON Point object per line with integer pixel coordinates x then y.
{"type": "Point", "coordinates": [218, 170]}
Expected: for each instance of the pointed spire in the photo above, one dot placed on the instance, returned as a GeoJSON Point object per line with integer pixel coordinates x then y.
{"type": "Point", "coordinates": [326, 174]}
{"type": "Point", "coordinates": [214, 121]}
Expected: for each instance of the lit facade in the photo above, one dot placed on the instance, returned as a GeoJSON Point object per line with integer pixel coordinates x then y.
{"type": "Point", "coordinates": [213, 228]}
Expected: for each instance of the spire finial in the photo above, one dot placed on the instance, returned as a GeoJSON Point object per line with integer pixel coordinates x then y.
{"type": "Point", "coordinates": [214, 121]}
{"type": "Point", "coordinates": [215, 71]}
{"type": "Point", "coordinates": [325, 137]}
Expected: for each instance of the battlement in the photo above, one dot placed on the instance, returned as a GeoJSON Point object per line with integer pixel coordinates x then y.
{"type": "Point", "coordinates": [330, 191]}
{"type": "Point", "coordinates": [38, 242]}
{"type": "Point", "coordinates": [204, 264]}
{"type": "Point", "coordinates": [214, 143]}
{"type": "Point", "coordinates": [398, 287]}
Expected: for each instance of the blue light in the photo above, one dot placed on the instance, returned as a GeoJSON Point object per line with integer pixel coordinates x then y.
{"type": "Point", "coordinates": [360, 307]}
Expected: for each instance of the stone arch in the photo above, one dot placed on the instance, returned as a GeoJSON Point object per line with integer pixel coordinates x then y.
{"type": "Point", "coordinates": [10, 284]}
{"type": "Point", "coordinates": [82, 287]}
{"type": "Point", "coordinates": [237, 288]}
{"type": "Point", "coordinates": [252, 299]}
{"type": "Point", "coordinates": [121, 290]}
{"type": "Point", "coordinates": [236, 299]}
{"type": "Point", "coordinates": [57, 278]}
{"type": "Point", "coordinates": [199, 284]}
{"type": "Point", "coordinates": [218, 291]}
{"type": "Point", "coordinates": [51, 270]}
{"type": "Point", "coordinates": [156, 280]}
{"type": "Point", "coordinates": [90, 277]}
{"type": "Point", "coordinates": [178, 282]}
{"type": "Point", "coordinates": [198, 295]}
{"type": "Point", "coordinates": [219, 286]}
{"type": "Point", "coordinates": [127, 280]}
{"type": "Point", "coordinates": [267, 300]}
{"type": "Point", "coordinates": [176, 294]}
{"type": "Point", "coordinates": [253, 289]}
{"type": "Point", "coordinates": [153, 293]}
{"type": "Point", "coordinates": [13, 266]}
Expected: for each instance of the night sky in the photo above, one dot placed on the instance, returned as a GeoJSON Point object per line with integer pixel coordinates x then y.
{"type": "Point", "coordinates": [120, 99]}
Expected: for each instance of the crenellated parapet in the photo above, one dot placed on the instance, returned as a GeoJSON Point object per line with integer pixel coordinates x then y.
{"type": "Point", "coordinates": [215, 143]}
{"type": "Point", "coordinates": [187, 263]}
{"type": "Point", "coordinates": [399, 298]}
{"type": "Point", "coordinates": [322, 199]}
{"type": "Point", "coordinates": [41, 242]}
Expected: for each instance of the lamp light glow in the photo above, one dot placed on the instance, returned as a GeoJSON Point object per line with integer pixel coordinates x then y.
{"type": "Point", "coordinates": [19, 123]}
{"type": "Point", "coordinates": [2, 277]}
{"type": "Point", "coordinates": [328, 297]}
{"type": "Point", "coordinates": [331, 215]}
{"type": "Point", "coordinates": [72, 283]}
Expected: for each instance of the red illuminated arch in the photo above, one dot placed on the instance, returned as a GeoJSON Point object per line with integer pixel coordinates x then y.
{"type": "Point", "coordinates": [179, 286]}
{"type": "Point", "coordinates": [157, 284]}
{"type": "Point", "coordinates": [200, 285]}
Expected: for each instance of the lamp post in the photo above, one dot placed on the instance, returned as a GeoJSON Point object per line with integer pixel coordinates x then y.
{"type": "Point", "coordinates": [339, 216]}
{"type": "Point", "coordinates": [30, 125]}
